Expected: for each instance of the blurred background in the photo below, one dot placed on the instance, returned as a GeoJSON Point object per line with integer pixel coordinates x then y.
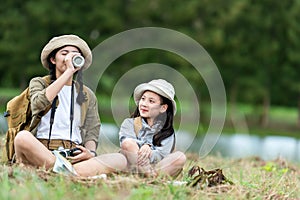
{"type": "Point", "coordinates": [255, 45]}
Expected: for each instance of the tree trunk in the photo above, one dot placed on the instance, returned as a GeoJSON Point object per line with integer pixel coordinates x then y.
{"type": "Point", "coordinates": [298, 121]}
{"type": "Point", "coordinates": [233, 95]}
{"type": "Point", "coordinates": [232, 104]}
{"type": "Point", "coordinates": [264, 120]}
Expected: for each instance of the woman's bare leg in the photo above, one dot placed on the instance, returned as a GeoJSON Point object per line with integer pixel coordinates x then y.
{"type": "Point", "coordinates": [31, 151]}
{"type": "Point", "coordinates": [172, 164]}
{"type": "Point", "coordinates": [130, 151]}
{"type": "Point", "coordinates": [102, 164]}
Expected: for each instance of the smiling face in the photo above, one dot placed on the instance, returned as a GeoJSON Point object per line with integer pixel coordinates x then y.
{"type": "Point", "coordinates": [150, 106]}
{"type": "Point", "coordinates": [59, 59]}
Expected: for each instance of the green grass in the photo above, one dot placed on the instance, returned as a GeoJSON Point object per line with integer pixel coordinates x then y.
{"type": "Point", "coordinates": [253, 178]}
{"type": "Point", "coordinates": [5, 95]}
{"type": "Point", "coordinates": [287, 115]}
{"type": "Point", "coordinates": [8, 92]}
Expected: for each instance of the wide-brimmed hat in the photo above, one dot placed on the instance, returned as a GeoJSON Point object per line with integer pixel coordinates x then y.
{"type": "Point", "coordinates": [65, 40]}
{"type": "Point", "coordinates": [158, 86]}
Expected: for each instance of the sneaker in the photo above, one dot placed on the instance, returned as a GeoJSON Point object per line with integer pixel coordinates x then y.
{"type": "Point", "coordinates": [62, 165]}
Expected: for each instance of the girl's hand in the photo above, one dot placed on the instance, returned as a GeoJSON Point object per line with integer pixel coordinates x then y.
{"type": "Point", "coordinates": [144, 155]}
{"type": "Point", "coordinates": [85, 154]}
{"type": "Point", "coordinates": [69, 62]}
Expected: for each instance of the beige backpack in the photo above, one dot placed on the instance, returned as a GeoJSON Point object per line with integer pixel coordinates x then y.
{"type": "Point", "coordinates": [18, 115]}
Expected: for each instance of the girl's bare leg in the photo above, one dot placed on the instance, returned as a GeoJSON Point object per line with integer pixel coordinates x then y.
{"type": "Point", "coordinates": [129, 149]}
{"type": "Point", "coordinates": [31, 151]}
{"type": "Point", "coordinates": [102, 164]}
{"type": "Point", "coordinates": [172, 164]}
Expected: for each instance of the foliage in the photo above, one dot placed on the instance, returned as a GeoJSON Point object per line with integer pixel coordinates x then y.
{"type": "Point", "coordinates": [255, 39]}
{"type": "Point", "coordinates": [254, 43]}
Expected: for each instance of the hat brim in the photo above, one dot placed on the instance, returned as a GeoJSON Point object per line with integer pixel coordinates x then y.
{"type": "Point", "coordinates": [66, 40]}
{"type": "Point", "coordinates": [140, 89]}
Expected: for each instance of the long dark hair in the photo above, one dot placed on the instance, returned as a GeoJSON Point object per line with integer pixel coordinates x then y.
{"type": "Point", "coordinates": [81, 96]}
{"type": "Point", "coordinates": [167, 130]}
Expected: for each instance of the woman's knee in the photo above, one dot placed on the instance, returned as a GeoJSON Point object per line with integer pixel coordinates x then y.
{"type": "Point", "coordinates": [128, 144]}
{"type": "Point", "coordinates": [113, 160]}
{"type": "Point", "coordinates": [122, 161]}
{"type": "Point", "coordinates": [180, 158]}
{"type": "Point", "coordinates": [23, 139]}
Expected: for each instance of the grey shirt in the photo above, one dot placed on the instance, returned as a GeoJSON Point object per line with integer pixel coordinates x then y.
{"type": "Point", "coordinates": [145, 136]}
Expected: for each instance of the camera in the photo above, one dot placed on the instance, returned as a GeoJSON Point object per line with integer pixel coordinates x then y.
{"type": "Point", "coordinates": [78, 61]}
{"type": "Point", "coordinates": [68, 152]}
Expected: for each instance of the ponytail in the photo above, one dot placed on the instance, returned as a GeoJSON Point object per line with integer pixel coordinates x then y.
{"type": "Point", "coordinates": [81, 95]}
{"type": "Point", "coordinates": [52, 67]}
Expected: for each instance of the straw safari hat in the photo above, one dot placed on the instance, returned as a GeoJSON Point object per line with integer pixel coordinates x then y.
{"type": "Point", "coordinates": [64, 40]}
{"type": "Point", "coordinates": [158, 86]}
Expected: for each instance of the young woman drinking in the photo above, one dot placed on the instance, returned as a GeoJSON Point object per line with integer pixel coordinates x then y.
{"type": "Point", "coordinates": [72, 120]}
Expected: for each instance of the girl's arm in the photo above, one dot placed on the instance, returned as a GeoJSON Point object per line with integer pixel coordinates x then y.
{"type": "Point", "coordinates": [38, 99]}
{"type": "Point", "coordinates": [158, 153]}
{"type": "Point", "coordinates": [127, 130]}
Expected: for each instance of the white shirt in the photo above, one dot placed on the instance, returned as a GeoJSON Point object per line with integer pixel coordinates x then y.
{"type": "Point", "coordinates": [61, 124]}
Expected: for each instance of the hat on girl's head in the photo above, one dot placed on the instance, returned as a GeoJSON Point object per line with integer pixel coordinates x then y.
{"type": "Point", "coordinates": [65, 40]}
{"type": "Point", "coordinates": [158, 86]}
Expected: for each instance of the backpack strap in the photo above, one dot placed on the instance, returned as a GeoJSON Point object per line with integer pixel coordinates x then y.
{"type": "Point", "coordinates": [137, 122]}
{"type": "Point", "coordinates": [53, 109]}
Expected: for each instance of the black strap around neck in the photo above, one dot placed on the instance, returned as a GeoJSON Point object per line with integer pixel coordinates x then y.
{"type": "Point", "coordinates": [71, 112]}
{"type": "Point", "coordinates": [53, 109]}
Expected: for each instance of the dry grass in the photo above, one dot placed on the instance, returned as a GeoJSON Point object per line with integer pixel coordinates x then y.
{"type": "Point", "coordinates": [253, 178]}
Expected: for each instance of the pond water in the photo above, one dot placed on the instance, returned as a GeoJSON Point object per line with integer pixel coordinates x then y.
{"type": "Point", "coordinates": [244, 145]}
{"type": "Point", "coordinates": [228, 145]}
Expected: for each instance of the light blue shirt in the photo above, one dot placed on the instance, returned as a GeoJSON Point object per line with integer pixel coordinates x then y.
{"type": "Point", "coordinates": [145, 136]}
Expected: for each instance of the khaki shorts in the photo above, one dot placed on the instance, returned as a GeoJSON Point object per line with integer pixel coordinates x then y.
{"type": "Point", "coordinates": [55, 144]}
